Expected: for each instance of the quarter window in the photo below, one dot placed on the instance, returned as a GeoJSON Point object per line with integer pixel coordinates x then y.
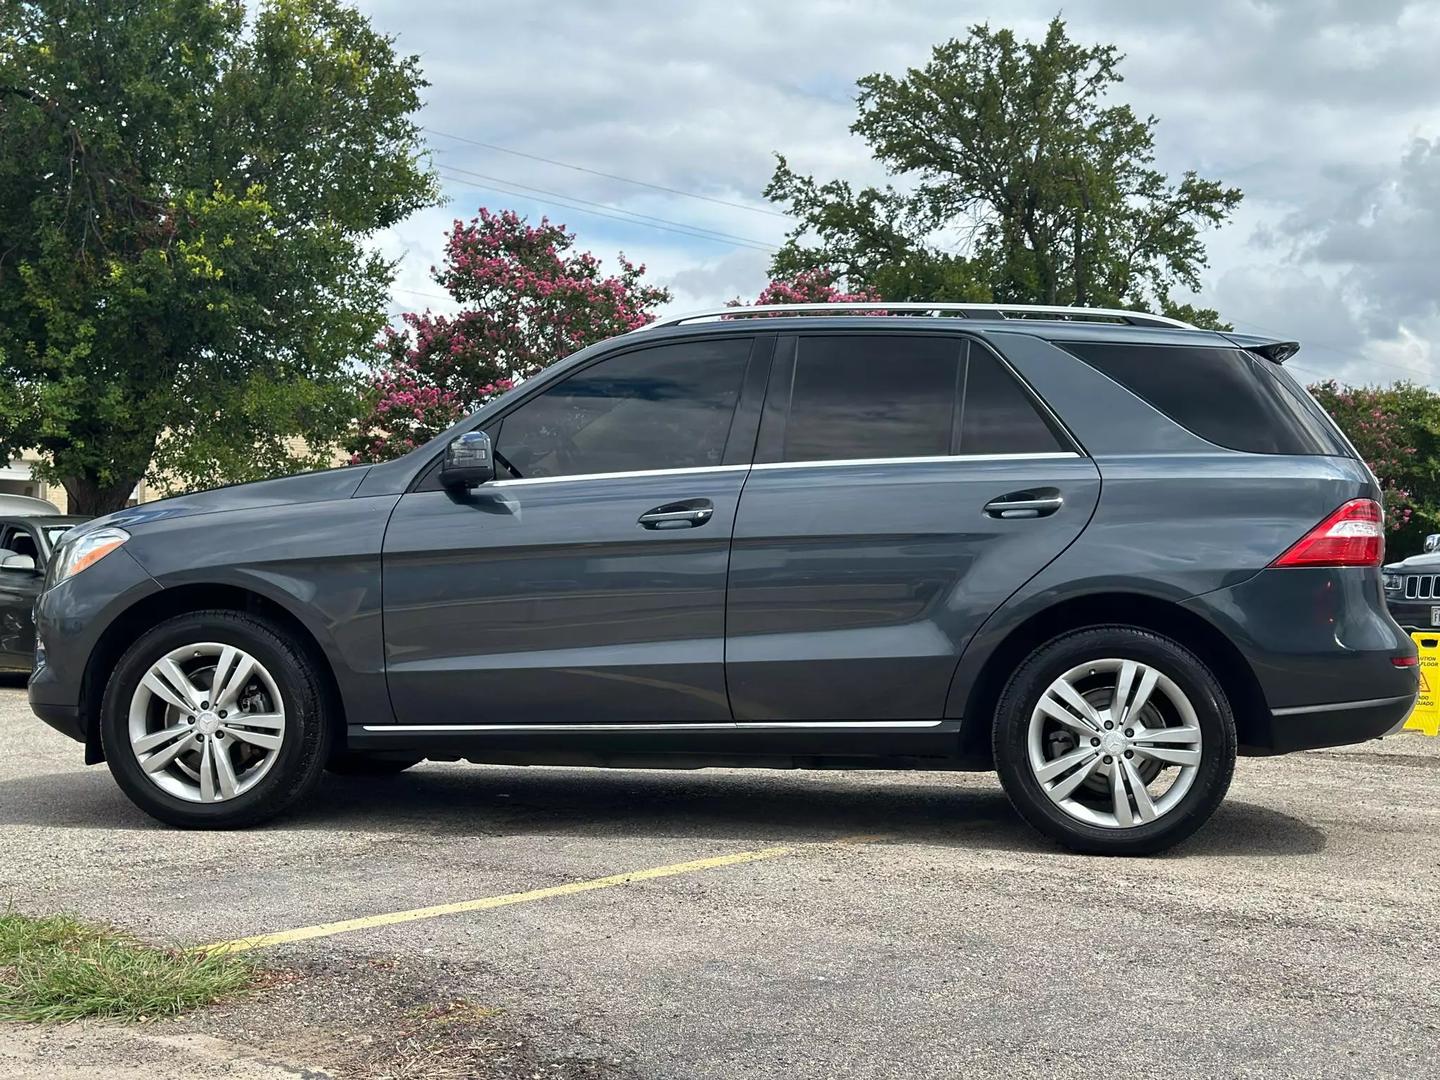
{"type": "Point", "coordinates": [668, 407]}
{"type": "Point", "coordinates": [1227, 396]}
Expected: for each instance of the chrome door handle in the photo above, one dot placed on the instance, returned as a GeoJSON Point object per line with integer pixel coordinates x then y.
{"type": "Point", "coordinates": [682, 515]}
{"type": "Point", "coordinates": [1024, 504]}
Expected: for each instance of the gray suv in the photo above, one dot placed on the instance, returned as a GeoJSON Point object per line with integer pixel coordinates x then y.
{"type": "Point", "coordinates": [1100, 552]}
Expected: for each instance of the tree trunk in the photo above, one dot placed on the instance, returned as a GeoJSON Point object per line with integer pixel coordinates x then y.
{"type": "Point", "coordinates": [91, 498]}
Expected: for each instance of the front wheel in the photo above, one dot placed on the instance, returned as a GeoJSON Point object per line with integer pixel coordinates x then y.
{"type": "Point", "coordinates": [1114, 740]}
{"type": "Point", "coordinates": [215, 719]}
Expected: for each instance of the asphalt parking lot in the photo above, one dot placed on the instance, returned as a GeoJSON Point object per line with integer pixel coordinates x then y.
{"type": "Point", "coordinates": [908, 925]}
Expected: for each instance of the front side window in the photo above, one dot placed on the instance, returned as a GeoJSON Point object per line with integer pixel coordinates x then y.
{"type": "Point", "coordinates": [667, 407]}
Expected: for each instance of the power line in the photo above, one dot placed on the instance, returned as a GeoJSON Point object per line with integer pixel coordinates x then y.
{"type": "Point", "coordinates": [617, 209]}
{"type": "Point", "coordinates": [673, 227]}
{"type": "Point", "coordinates": [606, 175]}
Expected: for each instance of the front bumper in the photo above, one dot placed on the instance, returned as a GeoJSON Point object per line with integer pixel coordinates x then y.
{"type": "Point", "coordinates": [1414, 614]}
{"type": "Point", "coordinates": [70, 622]}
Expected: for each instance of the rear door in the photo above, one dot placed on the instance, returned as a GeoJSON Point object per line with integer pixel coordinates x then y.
{"type": "Point", "coordinates": [18, 590]}
{"type": "Point", "coordinates": [904, 486]}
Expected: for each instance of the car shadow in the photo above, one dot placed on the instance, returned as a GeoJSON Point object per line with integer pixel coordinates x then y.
{"type": "Point", "coordinates": [745, 807]}
{"type": "Point", "coordinates": [14, 680]}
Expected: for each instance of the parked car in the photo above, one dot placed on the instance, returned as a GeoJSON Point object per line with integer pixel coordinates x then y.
{"type": "Point", "coordinates": [25, 547]}
{"type": "Point", "coordinates": [26, 504]}
{"type": "Point", "coordinates": [1412, 591]}
{"type": "Point", "coordinates": [1095, 551]}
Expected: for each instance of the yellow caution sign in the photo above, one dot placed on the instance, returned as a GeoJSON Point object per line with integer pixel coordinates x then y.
{"type": "Point", "coordinates": [1426, 716]}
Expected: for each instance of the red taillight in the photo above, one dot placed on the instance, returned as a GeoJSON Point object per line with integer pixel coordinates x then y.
{"type": "Point", "coordinates": [1354, 535]}
{"type": "Point", "coordinates": [1405, 661]}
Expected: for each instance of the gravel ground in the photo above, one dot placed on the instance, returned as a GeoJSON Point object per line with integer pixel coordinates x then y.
{"type": "Point", "coordinates": [1297, 935]}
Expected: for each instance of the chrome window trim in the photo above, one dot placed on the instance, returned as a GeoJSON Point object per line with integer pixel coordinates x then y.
{"type": "Point", "coordinates": [694, 471]}
{"type": "Point", "coordinates": [1057, 455]}
{"type": "Point", "coordinates": [1054, 455]}
{"type": "Point", "coordinates": [876, 725]}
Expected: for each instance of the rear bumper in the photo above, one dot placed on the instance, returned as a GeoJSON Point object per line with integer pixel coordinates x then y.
{"type": "Point", "coordinates": [1309, 727]}
{"type": "Point", "coordinates": [1321, 646]}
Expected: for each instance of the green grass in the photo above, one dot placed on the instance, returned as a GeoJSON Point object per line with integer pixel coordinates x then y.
{"type": "Point", "coordinates": [56, 968]}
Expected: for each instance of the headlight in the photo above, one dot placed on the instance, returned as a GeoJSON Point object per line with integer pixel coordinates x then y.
{"type": "Point", "coordinates": [85, 551]}
{"type": "Point", "coordinates": [1393, 582]}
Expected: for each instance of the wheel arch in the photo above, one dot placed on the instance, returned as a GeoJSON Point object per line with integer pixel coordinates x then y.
{"type": "Point", "coordinates": [1166, 617]}
{"type": "Point", "coordinates": [153, 609]}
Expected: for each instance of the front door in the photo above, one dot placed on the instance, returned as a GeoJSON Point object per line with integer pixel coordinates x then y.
{"type": "Point", "coordinates": [874, 536]}
{"type": "Point", "coordinates": [18, 589]}
{"type": "Point", "coordinates": [588, 585]}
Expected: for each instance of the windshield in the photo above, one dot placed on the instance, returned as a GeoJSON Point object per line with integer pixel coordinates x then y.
{"type": "Point", "coordinates": [54, 532]}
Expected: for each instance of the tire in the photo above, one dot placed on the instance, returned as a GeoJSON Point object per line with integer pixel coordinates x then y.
{"type": "Point", "coordinates": [1076, 802]}
{"type": "Point", "coordinates": [357, 763]}
{"type": "Point", "coordinates": [274, 731]}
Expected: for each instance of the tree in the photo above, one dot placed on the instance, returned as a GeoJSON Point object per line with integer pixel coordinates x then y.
{"type": "Point", "coordinates": [809, 287]}
{"type": "Point", "coordinates": [185, 201]}
{"type": "Point", "coordinates": [1043, 192]}
{"type": "Point", "coordinates": [527, 299]}
{"type": "Point", "coordinates": [1396, 429]}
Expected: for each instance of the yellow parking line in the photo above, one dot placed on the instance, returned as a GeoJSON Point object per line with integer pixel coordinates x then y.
{"type": "Point", "coordinates": [304, 933]}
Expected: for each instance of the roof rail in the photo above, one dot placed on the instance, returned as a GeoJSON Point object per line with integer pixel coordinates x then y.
{"type": "Point", "coordinates": [968, 311]}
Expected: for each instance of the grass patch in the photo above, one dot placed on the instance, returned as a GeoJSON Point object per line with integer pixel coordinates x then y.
{"type": "Point", "coordinates": [56, 968]}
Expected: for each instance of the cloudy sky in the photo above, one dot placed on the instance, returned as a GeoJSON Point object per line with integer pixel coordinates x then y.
{"type": "Point", "coordinates": [1326, 113]}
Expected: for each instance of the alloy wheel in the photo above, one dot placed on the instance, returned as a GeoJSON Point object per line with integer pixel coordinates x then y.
{"type": "Point", "coordinates": [1114, 743]}
{"type": "Point", "coordinates": [206, 722]}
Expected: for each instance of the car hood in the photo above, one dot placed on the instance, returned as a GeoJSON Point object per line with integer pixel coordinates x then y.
{"type": "Point", "coordinates": [1426, 562]}
{"type": "Point", "coordinates": [309, 487]}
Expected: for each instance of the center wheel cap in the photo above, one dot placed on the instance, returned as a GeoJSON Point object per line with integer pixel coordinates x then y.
{"type": "Point", "coordinates": [207, 723]}
{"type": "Point", "coordinates": [1113, 743]}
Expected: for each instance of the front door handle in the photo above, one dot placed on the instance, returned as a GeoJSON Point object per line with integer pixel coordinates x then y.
{"type": "Point", "coordinates": [1025, 504]}
{"type": "Point", "coordinates": [690, 514]}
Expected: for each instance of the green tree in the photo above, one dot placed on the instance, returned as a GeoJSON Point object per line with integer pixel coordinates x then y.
{"type": "Point", "coordinates": [1025, 185]}
{"type": "Point", "coordinates": [1396, 429]}
{"type": "Point", "coordinates": [186, 198]}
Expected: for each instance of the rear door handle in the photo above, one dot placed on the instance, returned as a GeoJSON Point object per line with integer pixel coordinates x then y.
{"type": "Point", "coordinates": [689, 514]}
{"type": "Point", "coordinates": [1025, 504]}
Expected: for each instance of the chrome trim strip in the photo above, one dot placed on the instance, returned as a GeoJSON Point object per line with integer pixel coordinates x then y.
{"type": "Point", "coordinates": [980, 311]}
{"type": "Point", "coordinates": [843, 725]}
{"type": "Point", "coordinates": [1339, 706]}
{"type": "Point", "coordinates": [1058, 455]}
{"type": "Point", "coordinates": [618, 475]}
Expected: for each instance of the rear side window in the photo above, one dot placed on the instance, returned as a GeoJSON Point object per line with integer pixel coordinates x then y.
{"type": "Point", "coordinates": [872, 396]}
{"type": "Point", "coordinates": [997, 415]}
{"type": "Point", "coordinates": [1228, 396]}
{"type": "Point", "coordinates": [867, 396]}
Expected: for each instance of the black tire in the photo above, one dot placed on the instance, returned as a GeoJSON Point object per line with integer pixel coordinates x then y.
{"type": "Point", "coordinates": [358, 763]}
{"type": "Point", "coordinates": [308, 730]}
{"type": "Point", "coordinates": [1206, 696]}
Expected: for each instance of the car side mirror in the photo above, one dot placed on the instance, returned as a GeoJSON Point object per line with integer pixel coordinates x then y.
{"type": "Point", "coordinates": [468, 462]}
{"type": "Point", "coordinates": [23, 563]}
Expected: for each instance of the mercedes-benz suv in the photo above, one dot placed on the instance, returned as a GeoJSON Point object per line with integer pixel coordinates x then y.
{"type": "Point", "coordinates": [1097, 551]}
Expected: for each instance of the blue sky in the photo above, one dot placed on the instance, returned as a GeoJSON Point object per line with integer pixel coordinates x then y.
{"type": "Point", "coordinates": [1325, 113]}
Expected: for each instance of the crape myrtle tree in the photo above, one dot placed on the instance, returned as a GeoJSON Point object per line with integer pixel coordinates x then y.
{"type": "Point", "coordinates": [1396, 429]}
{"type": "Point", "coordinates": [187, 194]}
{"type": "Point", "coordinates": [527, 298]}
{"type": "Point", "coordinates": [1023, 181]}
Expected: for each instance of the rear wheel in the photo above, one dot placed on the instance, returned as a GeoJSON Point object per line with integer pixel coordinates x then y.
{"type": "Point", "coordinates": [1114, 740]}
{"type": "Point", "coordinates": [215, 719]}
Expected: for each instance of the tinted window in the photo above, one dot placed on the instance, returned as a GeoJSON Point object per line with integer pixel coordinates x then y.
{"type": "Point", "coordinates": [872, 396]}
{"type": "Point", "coordinates": [664, 408]}
{"type": "Point", "coordinates": [997, 415]}
{"type": "Point", "coordinates": [1228, 396]}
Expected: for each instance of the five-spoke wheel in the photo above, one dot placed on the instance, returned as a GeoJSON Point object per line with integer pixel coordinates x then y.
{"type": "Point", "coordinates": [1114, 740]}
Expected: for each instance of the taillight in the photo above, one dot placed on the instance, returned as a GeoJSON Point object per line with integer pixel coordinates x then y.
{"type": "Point", "coordinates": [1354, 535]}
